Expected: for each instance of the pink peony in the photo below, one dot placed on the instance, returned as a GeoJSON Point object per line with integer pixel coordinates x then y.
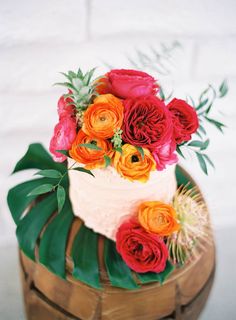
{"type": "Point", "coordinates": [64, 136]}
{"type": "Point", "coordinates": [165, 155]}
{"type": "Point", "coordinates": [64, 108]}
{"type": "Point", "coordinates": [127, 84]}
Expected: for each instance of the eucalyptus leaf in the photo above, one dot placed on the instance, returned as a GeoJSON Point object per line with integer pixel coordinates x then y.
{"type": "Point", "coordinates": [141, 151]}
{"type": "Point", "coordinates": [179, 151]}
{"type": "Point", "coordinates": [209, 160]}
{"type": "Point", "coordinates": [107, 161]}
{"type": "Point", "coordinates": [217, 124]}
{"type": "Point", "coordinates": [202, 162]}
{"type": "Point", "coordinates": [49, 173]}
{"type": "Point", "coordinates": [90, 146]}
{"type": "Point", "coordinates": [44, 188]}
{"type": "Point", "coordinates": [61, 197]}
{"type": "Point", "coordinates": [196, 143]}
{"type": "Point", "coordinates": [223, 89]}
{"type": "Point", "coordinates": [202, 104]}
{"type": "Point", "coordinates": [83, 170]}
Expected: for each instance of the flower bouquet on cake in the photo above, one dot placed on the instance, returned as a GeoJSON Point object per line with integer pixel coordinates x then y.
{"type": "Point", "coordinates": [113, 227]}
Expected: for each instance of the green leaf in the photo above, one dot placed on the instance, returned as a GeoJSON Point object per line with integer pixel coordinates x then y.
{"type": "Point", "coordinates": [107, 160]}
{"type": "Point", "coordinates": [202, 104]}
{"type": "Point", "coordinates": [31, 225]}
{"type": "Point", "coordinates": [119, 273]}
{"type": "Point", "coordinates": [216, 123]}
{"type": "Point", "coordinates": [141, 151]}
{"type": "Point", "coordinates": [52, 249]}
{"type": "Point", "coordinates": [86, 267]}
{"type": "Point", "coordinates": [119, 149]}
{"type": "Point", "coordinates": [209, 160]}
{"type": "Point", "coordinates": [201, 128]}
{"type": "Point", "coordinates": [196, 143]}
{"type": "Point", "coordinates": [37, 157]}
{"type": "Point", "coordinates": [223, 89]}
{"type": "Point", "coordinates": [49, 173]}
{"type": "Point", "coordinates": [65, 152]}
{"type": "Point", "coordinates": [61, 197]}
{"type": "Point", "coordinates": [161, 92]}
{"type": "Point", "coordinates": [182, 179]}
{"type": "Point", "coordinates": [44, 188]}
{"type": "Point", "coordinates": [152, 276]}
{"type": "Point", "coordinates": [90, 146]}
{"type": "Point", "coordinates": [179, 151]}
{"type": "Point", "coordinates": [202, 162]}
{"type": "Point", "coordinates": [18, 200]}
{"type": "Point", "coordinates": [205, 144]}
{"type": "Point", "coordinates": [83, 170]}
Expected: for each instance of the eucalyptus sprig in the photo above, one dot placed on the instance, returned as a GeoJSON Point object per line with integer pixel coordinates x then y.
{"type": "Point", "coordinates": [58, 185]}
{"type": "Point", "coordinates": [204, 107]}
{"type": "Point", "coordinates": [82, 89]}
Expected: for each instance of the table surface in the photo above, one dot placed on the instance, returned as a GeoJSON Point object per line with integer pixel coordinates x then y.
{"type": "Point", "coordinates": [221, 302]}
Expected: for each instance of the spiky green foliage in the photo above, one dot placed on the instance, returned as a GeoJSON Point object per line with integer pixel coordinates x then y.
{"type": "Point", "coordinates": [194, 231]}
{"type": "Point", "coordinates": [82, 89]}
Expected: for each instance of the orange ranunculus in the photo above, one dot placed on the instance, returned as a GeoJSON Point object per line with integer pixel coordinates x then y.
{"type": "Point", "coordinates": [92, 158]}
{"type": "Point", "coordinates": [130, 164]}
{"type": "Point", "coordinates": [158, 217]}
{"type": "Point", "coordinates": [103, 117]}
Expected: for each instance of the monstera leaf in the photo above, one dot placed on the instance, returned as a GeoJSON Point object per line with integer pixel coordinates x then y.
{"type": "Point", "coordinates": [45, 227]}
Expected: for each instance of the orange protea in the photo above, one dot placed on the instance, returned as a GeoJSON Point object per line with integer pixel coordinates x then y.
{"type": "Point", "coordinates": [103, 117]}
{"type": "Point", "coordinates": [92, 157]}
{"type": "Point", "coordinates": [131, 165]}
{"type": "Point", "coordinates": [158, 217]}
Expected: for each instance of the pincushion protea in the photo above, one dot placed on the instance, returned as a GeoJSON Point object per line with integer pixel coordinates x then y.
{"type": "Point", "coordinates": [194, 226]}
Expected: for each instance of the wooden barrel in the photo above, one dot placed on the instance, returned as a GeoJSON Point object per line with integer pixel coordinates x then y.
{"type": "Point", "coordinates": [182, 296]}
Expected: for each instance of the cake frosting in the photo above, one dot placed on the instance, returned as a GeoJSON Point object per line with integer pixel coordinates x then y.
{"type": "Point", "coordinates": [105, 201]}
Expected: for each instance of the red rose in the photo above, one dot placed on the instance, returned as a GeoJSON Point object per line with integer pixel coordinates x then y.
{"type": "Point", "coordinates": [127, 84]}
{"type": "Point", "coordinates": [185, 120]}
{"type": "Point", "coordinates": [64, 107]}
{"type": "Point", "coordinates": [165, 155]}
{"type": "Point", "coordinates": [147, 122]}
{"type": "Point", "coordinates": [64, 136]}
{"type": "Point", "coordinates": [141, 251]}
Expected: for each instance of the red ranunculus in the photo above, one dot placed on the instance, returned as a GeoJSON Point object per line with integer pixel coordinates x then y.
{"type": "Point", "coordinates": [165, 155]}
{"type": "Point", "coordinates": [64, 107]}
{"type": "Point", "coordinates": [127, 84]}
{"type": "Point", "coordinates": [185, 120]}
{"type": "Point", "coordinates": [64, 136]}
{"type": "Point", "coordinates": [147, 122]}
{"type": "Point", "coordinates": [142, 251]}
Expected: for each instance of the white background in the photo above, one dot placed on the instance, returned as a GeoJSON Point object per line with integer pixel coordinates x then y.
{"type": "Point", "coordinates": [38, 39]}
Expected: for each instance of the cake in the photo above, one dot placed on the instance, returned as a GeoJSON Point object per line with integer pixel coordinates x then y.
{"type": "Point", "coordinates": [113, 213]}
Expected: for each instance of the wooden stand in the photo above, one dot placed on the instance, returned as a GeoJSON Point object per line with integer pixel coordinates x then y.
{"type": "Point", "coordinates": [183, 295]}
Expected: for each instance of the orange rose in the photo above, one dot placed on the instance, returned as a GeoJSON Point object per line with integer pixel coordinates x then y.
{"type": "Point", "coordinates": [130, 164]}
{"type": "Point", "coordinates": [92, 158]}
{"type": "Point", "coordinates": [158, 217]}
{"type": "Point", "coordinates": [103, 117]}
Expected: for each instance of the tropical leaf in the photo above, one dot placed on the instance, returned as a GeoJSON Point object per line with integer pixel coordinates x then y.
{"type": "Point", "coordinates": [181, 178]}
{"type": "Point", "coordinates": [152, 276]}
{"type": "Point", "coordinates": [30, 227]}
{"type": "Point", "coordinates": [86, 267]}
{"type": "Point", "coordinates": [18, 200]}
{"type": "Point", "coordinates": [52, 249]}
{"type": "Point", "coordinates": [37, 157]}
{"type": "Point", "coordinates": [119, 273]}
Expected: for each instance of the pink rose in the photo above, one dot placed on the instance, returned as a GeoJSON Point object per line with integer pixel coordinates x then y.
{"type": "Point", "coordinates": [64, 136]}
{"type": "Point", "coordinates": [142, 251]}
{"type": "Point", "coordinates": [127, 84]}
{"type": "Point", "coordinates": [165, 155]}
{"type": "Point", "coordinates": [147, 122]}
{"type": "Point", "coordinates": [64, 107]}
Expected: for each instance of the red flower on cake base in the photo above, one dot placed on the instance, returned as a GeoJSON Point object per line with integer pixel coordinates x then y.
{"type": "Point", "coordinates": [147, 122]}
{"type": "Point", "coordinates": [185, 120]}
{"type": "Point", "coordinates": [142, 251]}
{"type": "Point", "coordinates": [127, 84]}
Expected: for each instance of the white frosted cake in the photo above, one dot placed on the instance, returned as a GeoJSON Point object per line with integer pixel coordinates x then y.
{"type": "Point", "coordinates": [105, 201]}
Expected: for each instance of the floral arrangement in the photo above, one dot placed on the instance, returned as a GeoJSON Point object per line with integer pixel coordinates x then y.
{"type": "Point", "coordinates": [122, 119]}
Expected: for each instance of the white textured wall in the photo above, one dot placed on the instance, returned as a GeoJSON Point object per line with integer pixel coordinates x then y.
{"type": "Point", "coordinates": [40, 38]}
